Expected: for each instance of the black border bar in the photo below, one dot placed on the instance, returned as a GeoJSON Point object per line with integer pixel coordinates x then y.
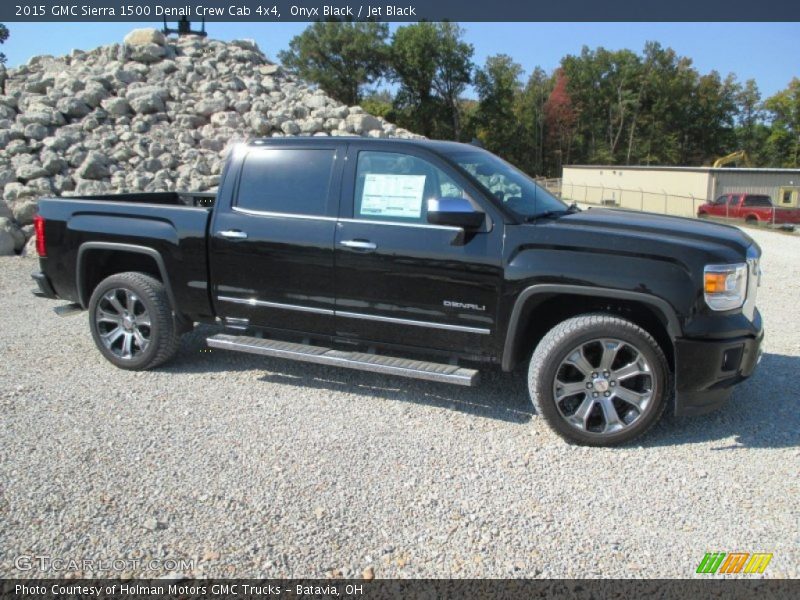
{"type": "Point", "coordinates": [409, 10]}
{"type": "Point", "coordinates": [445, 589]}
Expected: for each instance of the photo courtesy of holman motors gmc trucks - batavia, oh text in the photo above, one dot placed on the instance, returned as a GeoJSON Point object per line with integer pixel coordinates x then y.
{"type": "Point", "coordinates": [420, 259]}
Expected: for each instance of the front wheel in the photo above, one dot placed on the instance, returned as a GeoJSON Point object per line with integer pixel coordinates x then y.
{"type": "Point", "coordinates": [131, 321]}
{"type": "Point", "coordinates": [599, 380]}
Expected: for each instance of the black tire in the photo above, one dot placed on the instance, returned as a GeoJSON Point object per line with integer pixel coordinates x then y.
{"type": "Point", "coordinates": [752, 221]}
{"type": "Point", "coordinates": [150, 345]}
{"type": "Point", "coordinates": [647, 376]}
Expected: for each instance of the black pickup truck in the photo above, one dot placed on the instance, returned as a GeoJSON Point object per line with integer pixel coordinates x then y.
{"type": "Point", "coordinates": [421, 259]}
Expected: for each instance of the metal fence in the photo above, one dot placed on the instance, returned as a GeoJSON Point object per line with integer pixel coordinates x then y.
{"type": "Point", "coordinates": [635, 199]}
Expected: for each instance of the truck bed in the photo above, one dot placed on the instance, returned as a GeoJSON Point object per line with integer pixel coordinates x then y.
{"type": "Point", "coordinates": [163, 233]}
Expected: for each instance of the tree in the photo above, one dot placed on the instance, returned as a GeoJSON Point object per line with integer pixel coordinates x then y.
{"type": "Point", "coordinates": [379, 104]}
{"type": "Point", "coordinates": [530, 115]}
{"type": "Point", "coordinates": [340, 56]}
{"type": "Point", "coordinates": [3, 38]}
{"type": "Point", "coordinates": [560, 117]}
{"type": "Point", "coordinates": [433, 66]}
{"type": "Point", "coordinates": [783, 143]}
{"type": "Point", "coordinates": [498, 87]}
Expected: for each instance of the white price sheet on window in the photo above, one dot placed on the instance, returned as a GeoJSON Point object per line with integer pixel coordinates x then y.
{"type": "Point", "coordinates": [393, 195]}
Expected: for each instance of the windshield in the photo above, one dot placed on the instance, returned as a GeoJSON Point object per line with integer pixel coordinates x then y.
{"type": "Point", "coordinates": [518, 192]}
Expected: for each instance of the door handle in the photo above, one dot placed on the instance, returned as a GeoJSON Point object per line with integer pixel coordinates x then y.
{"type": "Point", "coordinates": [232, 234]}
{"type": "Point", "coordinates": [358, 244]}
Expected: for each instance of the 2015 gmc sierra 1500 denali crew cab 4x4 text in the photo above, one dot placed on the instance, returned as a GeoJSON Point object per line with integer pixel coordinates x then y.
{"type": "Point", "coordinates": [420, 259]}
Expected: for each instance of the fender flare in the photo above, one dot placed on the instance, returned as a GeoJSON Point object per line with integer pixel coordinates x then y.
{"type": "Point", "coordinates": [661, 305]}
{"type": "Point", "coordinates": [133, 248]}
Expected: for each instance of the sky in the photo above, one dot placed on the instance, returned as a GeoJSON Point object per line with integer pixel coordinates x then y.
{"type": "Point", "coordinates": [766, 52]}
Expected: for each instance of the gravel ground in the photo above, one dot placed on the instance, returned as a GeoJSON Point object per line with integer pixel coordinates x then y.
{"type": "Point", "coordinates": [258, 467]}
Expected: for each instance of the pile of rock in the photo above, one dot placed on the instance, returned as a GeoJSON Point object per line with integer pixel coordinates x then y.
{"type": "Point", "coordinates": [150, 114]}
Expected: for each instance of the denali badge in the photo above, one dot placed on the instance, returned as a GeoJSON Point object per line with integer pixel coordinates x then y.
{"type": "Point", "coordinates": [454, 304]}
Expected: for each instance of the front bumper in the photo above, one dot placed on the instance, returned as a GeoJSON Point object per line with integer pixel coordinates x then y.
{"type": "Point", "coordinates": [45, 287]}
{"type": "Point", "coordinates": [706, 371]}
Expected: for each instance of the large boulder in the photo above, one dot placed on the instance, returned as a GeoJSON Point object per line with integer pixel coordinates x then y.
{"type": "Point", "coordinates": [94, 166]}
{"type": "Point", "coordinates": [7, 243]}
{"type": "Point", "coordinates": [24, 210]}
{"type": "Point", "coordinates": [10, 230]}
{"type": "Point", "coordinates": [145, 36]}
{"type": "Point", "coordinates": [362, 123]}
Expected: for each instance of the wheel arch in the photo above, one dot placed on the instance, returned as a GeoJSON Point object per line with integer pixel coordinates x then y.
{"type": "Point", "coordinates": [112, 258]}
{"type": "Point", "coordinates": [559, 302]}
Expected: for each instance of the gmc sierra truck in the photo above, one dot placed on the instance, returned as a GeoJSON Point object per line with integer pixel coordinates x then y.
{"type": "Point", "coordinates": [420, 259]}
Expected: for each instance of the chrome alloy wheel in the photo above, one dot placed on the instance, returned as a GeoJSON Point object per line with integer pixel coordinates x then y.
{"type": "Point", "coordinates": [603, 386]}
{"type": "Point", "coordinates": [123, 323]}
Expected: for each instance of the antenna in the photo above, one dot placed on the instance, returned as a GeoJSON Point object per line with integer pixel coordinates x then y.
{"type": "Point", "coordinates": [185, 28]}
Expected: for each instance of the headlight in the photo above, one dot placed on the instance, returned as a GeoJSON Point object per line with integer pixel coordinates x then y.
{"type": "Point", "coordinates": [725, 286]}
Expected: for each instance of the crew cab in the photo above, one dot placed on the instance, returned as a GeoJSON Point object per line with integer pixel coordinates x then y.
{"type": "Point", "coordinates": [421, 259]}
{"type": "Point", "coordinates": [750, 208]}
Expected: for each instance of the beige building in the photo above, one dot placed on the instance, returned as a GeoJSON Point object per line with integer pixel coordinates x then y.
{"type": "Point", "coordinates": [675, 190]}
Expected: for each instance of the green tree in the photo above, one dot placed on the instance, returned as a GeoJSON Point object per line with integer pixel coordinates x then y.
{"type": "Point", "coordinates": [498, 86]}
{"type": "Point", "coordinates": [341, 57]}
{"type": "Point", "coordinates": [3, 38]}
{"type": "Point", "coordinates": [379, 104]}
{"type": "Point", "coordinates": [530, 110]}
{"type": "Point", "coordinates": [708, 126]}
{"type": "Point", "coordinates": [651, 108]}
{"type": "Point", "coordinates": [751, 131]}
{"type": "Point", "coordinates": [783, 143]}
{"type": "Point", "coordinates": [606, 89]}
{"type": "Point", "coordinates": [433, 66]}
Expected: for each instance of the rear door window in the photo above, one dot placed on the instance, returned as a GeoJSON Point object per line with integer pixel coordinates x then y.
{"type": "Point", "coordinates": [286, 180]}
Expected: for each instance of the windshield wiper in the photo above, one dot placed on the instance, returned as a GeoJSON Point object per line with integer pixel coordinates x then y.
{"type": "Point", "coordinates": [544, 215]}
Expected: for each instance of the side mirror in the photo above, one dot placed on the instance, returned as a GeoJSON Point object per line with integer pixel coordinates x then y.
{"type": "Point", "coordinates": [455, 212]}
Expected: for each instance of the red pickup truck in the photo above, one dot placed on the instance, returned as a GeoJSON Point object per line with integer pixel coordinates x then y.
{"type": "Point", "coordinates": [752, 208]}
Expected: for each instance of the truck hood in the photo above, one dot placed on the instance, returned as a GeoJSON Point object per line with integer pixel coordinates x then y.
{"type": "Point", "coordinates": [622, 228]}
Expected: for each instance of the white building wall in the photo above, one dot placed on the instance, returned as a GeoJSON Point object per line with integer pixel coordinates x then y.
{"type": "Point", "coordinates": [665, 190]}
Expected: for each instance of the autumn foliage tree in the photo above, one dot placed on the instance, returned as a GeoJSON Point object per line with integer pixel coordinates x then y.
{"type": "Point", "coordinates": [560, 119]}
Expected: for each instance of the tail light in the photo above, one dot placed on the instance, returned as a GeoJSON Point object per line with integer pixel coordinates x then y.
{"type": "Point", "coordinates": [38, 228]}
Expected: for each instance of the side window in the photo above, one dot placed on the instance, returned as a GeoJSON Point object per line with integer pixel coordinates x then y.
{"type": "Point", "coordinates": [292, 181]}
{"type": "Point", "coordinates": [720, 201]}
{"type": "Point", "coordinates": [757, 201]}
{"type": "Point", "coordinates": [733, 200]}
{"type": "Point", "coordinates": [395, 187]}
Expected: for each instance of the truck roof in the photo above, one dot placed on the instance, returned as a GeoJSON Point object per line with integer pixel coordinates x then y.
{"type": "Point", "coordinates": [435, 145]}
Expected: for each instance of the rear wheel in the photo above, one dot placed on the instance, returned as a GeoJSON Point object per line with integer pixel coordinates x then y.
{"type": "Point", "coordinates": [751, 220]}
{"type": "Point", "coordinates": [599, 380]}
{"type": "Point", "coordinates": [132, 322]}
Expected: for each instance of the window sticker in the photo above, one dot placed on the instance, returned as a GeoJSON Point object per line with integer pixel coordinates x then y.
{"type": "Point", "coordinates": [393, 195]}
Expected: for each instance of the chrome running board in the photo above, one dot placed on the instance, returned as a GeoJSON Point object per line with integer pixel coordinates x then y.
{"type": "Point", "coordinates": [388, 365]}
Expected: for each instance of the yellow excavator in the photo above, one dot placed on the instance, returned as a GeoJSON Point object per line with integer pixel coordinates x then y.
{"type": "Point", "coordinates": [740, 156]}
